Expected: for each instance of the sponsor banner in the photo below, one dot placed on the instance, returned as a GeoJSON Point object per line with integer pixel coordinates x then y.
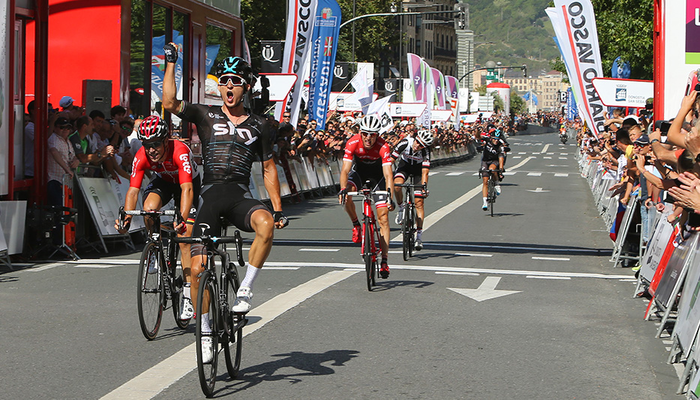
{"type": "Point", "coordinates": [438, 93]}
{"type": "Point", "coordinates": [280, 85]}
{"type": "Point", "coordinates": [416, 77]}
{"type": "Point", "coordinates": [440, 115]}
{"type": "Point", "coordinates": [407, 91]}
{"type": "Point", "coordinates": [297, 51]}
{"type": "Point", "coordinates": [571, 110]}
{"type": "Point", "coordinates": [428, 89]}
{"type": "Point", "coordinates": [347, 101]}
{"type": "Point", "coordinates": [158, 65]}
{"type": "Point", "coordinates": [577, 36]}
{"type": "Point", "coordinates": [272, 53]}
{"type": "Point", "coordinates": [325, 44]}
{"type": "Point", "coordinates": [391, 86]}
{"type": "Point", "coordinates": [341, 76]}
{"type": "Point", "coordinates": [623, 92]}
{"type": "Point", "coordinates": [408, 110]}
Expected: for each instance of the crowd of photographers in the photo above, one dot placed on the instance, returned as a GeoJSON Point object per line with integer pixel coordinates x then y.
{"type": "Point", "coordinates": [658, 159]}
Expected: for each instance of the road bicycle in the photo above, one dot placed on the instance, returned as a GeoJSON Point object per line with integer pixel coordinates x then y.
{"type": "Point", "coordinates": [160, 278]}
{"type": "Point", "coordinates": [218, 285]}
{"type": "Point", "coordinates": [408, 222]}
{"type": "Point", "coordinates": [370, 249]}
{"type": "Point", "coordinates": [491, 186]}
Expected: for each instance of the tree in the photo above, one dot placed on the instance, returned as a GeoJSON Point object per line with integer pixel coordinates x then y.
{"type": "Point", "coordinates": [517, 104]}
{"type": "Point", "coordinates": [264, 20]}
{"type": "Point", "coordinates": [375, 37]}
{"type": "Point", "coordinates": [498, 104]}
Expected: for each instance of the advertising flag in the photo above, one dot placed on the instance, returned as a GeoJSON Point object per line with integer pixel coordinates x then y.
{"type": "Point", "coordinates": [324, 39]}
{"type": "Point", "coordinates": [362, 93]}
{"type": "Point", "coordinates": [428, 88]}
{"type": "Point", "coordinates": [571, 111]}
{"type": "Point", "coordinates": [452, 87]}
{"type": "Point", "coordinates": [297, 52]}
{"type": "Point", "coordinates": [577, 36]}
{"type": "Point", "coordinates": [436, 77]}
{"type": "Point", "coordinates": [381, 109]}
{"type": "Point", "coordinates": [415, 73]}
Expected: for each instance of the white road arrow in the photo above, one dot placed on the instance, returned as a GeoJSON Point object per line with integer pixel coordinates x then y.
{"type": "Point", "coordinates": [538, 190]}
{"type": "Point", "coordinates": [486, 291]}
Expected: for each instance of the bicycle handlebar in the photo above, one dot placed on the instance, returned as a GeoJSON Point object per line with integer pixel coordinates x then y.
{"type": "Point", "coordinates": [206, 239]}
{"type": "Point", "coordinates": [154, 212]}
{"type": "Point", "coordinates": [362, 192]}
{"type": "Point", "coordinates": [123, 213]}
{"type": "Point", "coordinates": [409, 185]}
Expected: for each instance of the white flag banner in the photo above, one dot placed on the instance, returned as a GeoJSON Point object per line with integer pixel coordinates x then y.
{"type": "Point", "coordinates": [362, 93]}
{"type": "Point", "coordinates": [575, 28]}
{"type": "Point", "coordinates": [297, 53]}
{"type": "Point", "coordinates": [381, 109]}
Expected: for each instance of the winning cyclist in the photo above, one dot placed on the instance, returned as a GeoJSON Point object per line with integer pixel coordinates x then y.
{"type": "Point", "coordinates": [368, 157]}
{"type": "Point", "coordinates": [414, 155]}
{"type": "Point", "coordinates": [232, 138]}
{"type": "Point", "coordinates": [176, 176]}
{"type": "Point", "coordinates": [492, 158]}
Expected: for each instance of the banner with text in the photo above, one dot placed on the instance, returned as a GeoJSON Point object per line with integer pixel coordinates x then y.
{"type": "Point", "coordinates": [325, 40]}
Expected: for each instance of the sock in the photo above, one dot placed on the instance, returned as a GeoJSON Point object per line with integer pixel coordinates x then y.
{"type": "Point", "coordinates": [205, 323]}
{"type": "Point", "coordinates": [419, 233]}
{"type": "Point", "coordinates": [250, 274]}
{"type": "Point", "coordinates": [484, 200]}
{"type": "Point", "coordinates": [186, 291]}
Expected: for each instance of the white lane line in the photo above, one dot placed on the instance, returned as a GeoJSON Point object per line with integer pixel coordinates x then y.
{"type": "Point", "coordinates": [534, 174]}
{"type": "Point", "coordinates": [551, 258]}
{"type": "Point", "coordinates": [473, 255]}
{"type": "Point", "coordinates": [563, 154]}
{"type": "Point", "coordinates": [534, 154]}
{"type": "Point", "coordinates": [454, 173]}
{"type": "Point", "coordinates": [509, 173]}
{"type": "Point", "coordinates": [100, 266]}
{"type": "Point", "coordinates": [457, 273]}
{"type": "Point", "coordinates": [563, 278]}
{"type": "Point", "coordinates": [266, 268]}
{"type": "Point", "coordinates": [162, 375]}
{"type": "Point", "coordinates": [563, 158]}
{"type": "Point", "coordinates": [516, 157]}
{"type": "Point", "coordinates": [546, 158]}
{"type": "Point", "coordinates": [395, 251]}
{"type": "Point", "coordinates": [561, 175]}
{"type": "Point", "coordinates": [320, 250]}
{"type": "Point", "coordinates": [432, 173]}
{"type": "Point", "coordinates": [544, 150]}
{"type": "Point", "coordinates": [433, 218]}
{"type": "Point", "coordinates": [104, 261]}
{"type": "Point", "coordinates": [629, 280]}
{"type": "Point", "coordinates": [44, 267]}
{"type": "Point", "coordinates": [522, 152]}
{"type": "Point", "coordinates": [361, 267]}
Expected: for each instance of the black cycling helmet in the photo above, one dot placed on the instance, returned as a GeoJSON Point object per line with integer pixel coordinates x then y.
{"type": "Point", "coordinates": [238, 66]}
{"type": "Point", "coordinates": [152, 127]}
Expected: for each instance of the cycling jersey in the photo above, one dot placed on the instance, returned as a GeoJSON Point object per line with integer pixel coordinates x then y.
{"type": "Point", "coordinates": [404, 151]}
{"type": "Point", "coordinates": [229, 149]}
{"type": "Point", "coordinates": [492, 152]}
{"type": "Point", "coordinates": [177, 168]}
{"type": "Point", "coordinates": [368, 162]}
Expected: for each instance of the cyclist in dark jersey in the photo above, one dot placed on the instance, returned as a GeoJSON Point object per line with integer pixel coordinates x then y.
{"type": "Point", "coordinates": [232, 138]}
{"type": "Point", "coordinates": [492, 158]}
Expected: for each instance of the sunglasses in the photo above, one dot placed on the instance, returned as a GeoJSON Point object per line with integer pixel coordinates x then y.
{"type": "Point", "coordinates": [235, 80]}
{"type": "Point", "coordinates": [369, 134]}
{"type": "Point", "coordinates": [67, 127]}
{"type": "Point", "coordinates": [287, 116]}
{"type": "Point", "coordinates": [152, 145]}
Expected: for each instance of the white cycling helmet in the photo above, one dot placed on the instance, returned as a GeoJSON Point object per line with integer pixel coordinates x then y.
{"type": "Point", "coordinates": [425, 137]}
{"type": "Point", "coordinates": [370, 123]}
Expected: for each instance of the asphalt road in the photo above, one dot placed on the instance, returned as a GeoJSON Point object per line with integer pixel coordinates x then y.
{"type": "Point", "coordinates": [524, 304]}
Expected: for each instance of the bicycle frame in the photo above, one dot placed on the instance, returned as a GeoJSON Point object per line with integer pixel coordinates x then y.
{"type": "Point", "coordinates": [370, 232]}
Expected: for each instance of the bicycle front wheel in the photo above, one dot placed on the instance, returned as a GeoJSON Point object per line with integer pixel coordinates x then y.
{"type": "Point", "coordinates": [367, 252]}
{"type": "Point", "coordinates": [234, 340]}
{"type": "Point", "coordinates": [411, 230]}
{"type": "Point", "coordinates": [207, 371]}
{"type": "Point", "coordinates": [492, 194]}
{"type": "Point", "coordinates": [150, 295]}
{"type": "Point", "coordinates": [406, 233]}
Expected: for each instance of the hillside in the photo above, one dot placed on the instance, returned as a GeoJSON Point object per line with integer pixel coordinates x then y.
{"type": "Point", "coordinates": [519, 29]}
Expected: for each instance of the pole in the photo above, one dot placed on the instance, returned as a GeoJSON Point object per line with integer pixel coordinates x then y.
{"type": "Point", "coordinates": [353, 31]}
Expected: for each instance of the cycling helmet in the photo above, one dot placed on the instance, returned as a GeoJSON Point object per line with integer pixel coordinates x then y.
{"type": "Point", "coordinates": [485, 135]}
{"type": "Point", "coordinates": [425, 137]}
{"type": "Point", "coordinates": [370, 123]}
{"type": "Point", "coordinates": [497, 133]}
{"type": "Point", "coordinates": [153, 127]}
{"type": "Point", "coordinates": [238, 66]}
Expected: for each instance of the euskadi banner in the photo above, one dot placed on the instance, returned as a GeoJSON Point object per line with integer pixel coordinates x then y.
{"type": "Point", "coordinates": [297, 50]}
{"type": "Point", "coordinates": [574, 25]}
{"type": "Point", "coordinates": [415, 73]}
{"type": "Point", "coordinates": [325, 40]}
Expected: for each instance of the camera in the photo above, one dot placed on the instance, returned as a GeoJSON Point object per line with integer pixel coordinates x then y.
{"type": "Point", "coordinates": [663, 126]}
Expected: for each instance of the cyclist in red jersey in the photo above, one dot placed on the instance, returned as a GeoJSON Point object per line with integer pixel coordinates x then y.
{"type": "Point", "coordinates": [368, 157]}
{"type": "Point", "coordinates": [176, 176]}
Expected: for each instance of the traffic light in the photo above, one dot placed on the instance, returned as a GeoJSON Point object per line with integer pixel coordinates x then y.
{"type": "Point", "coordinates": [524, 68]}
{"type": "Point", "coordinates": [460, 15]}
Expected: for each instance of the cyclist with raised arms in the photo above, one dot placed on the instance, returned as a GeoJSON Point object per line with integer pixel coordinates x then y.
{"type": "Point", "coordinates": [492, 158]}
{"type": "Point", "coordinates": [414, 162]}
{"type": "Point", "coordinates": [368, 157]}
{"type": "Point", "coordinates": [176, 177]}
{"type": "Point", "coordinates": [232, 139]}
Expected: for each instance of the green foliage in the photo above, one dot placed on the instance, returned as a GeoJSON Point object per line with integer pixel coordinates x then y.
{"type": "Point", "coordinates": [374, 36]}
{"type": "Point", "coordinates": [264, 20]}
{"type": "Point", "coordinates": [517, 104]}
{"type": "Point", "coordinates": [498, 104]}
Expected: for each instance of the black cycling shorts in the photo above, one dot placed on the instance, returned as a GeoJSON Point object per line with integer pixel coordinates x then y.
{"type": "Point", "coordinates": [230, 200]}
{"type": "Point", "coordinates": [169, 190]}
{"type": "Point", "coordinates": [405, 171]}
{"type": "Point", "coordinates": [357, 182]}
{"type": "Point", "coordinates": [485, 166]}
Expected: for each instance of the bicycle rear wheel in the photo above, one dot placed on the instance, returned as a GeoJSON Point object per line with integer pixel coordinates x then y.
{"type": "Point", "coordinates": [492, 194]}
{"type": "Point", "coordinates": [234, 337]}
{"type": "Point", "coordinates": [207, 371]}
{"type": "Point", "coordinates": [367, 252]}
{"type": "Point", "coordinates": [150, 294]}
{"type": "Point", "coordinates": [178, 282]}
{"type": "Point", "coordinates": [406, 233]}
{"type": "Point", "coordinates": [411, 230]}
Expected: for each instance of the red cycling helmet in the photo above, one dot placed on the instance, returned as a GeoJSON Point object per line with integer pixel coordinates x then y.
{"type": "Point", "coordinates": [152, 127]}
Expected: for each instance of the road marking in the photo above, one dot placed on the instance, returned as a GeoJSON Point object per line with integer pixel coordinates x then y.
{"type": "Point", "coordinates": [454, 173]}
{"type": "Point", "coordinates": [266, 268]}
{"type": "Point", "coordinates": [433, 218]}
{"type": "Point", "coordinates": [320, 250]}
{"type": "Point", "coordinates": [522, 152]}
{"type": "Point", "coordinates": [558, 174]}
{"type": "Point", "coordinates": [432, 173]}
{"type": "Point", "coordinates": [538, 190]}
{"type": "Point", "coordinates": [563, 154]}
{"type": "Point", "coordinates": [154, 380]}
{"type": "Point", "coordinates": [544, 150]}
{"type": "Point", "coordinates": [473, 255]}
{"type": "Point", "coordinates": [100, 266]}
{"type": "Point", "coordinates": [534, 154]}
{"type": "Point", "coordinates": [486, 291]}
{"type": "Point", "coordinates": [509, 173]}
{"type": "Point", "coordinates": [563, 158]}
{"type": "Point", "coordinates": [551, 258]}
{"type": "Point", "coordinates": [534, 174]}
{"type": "Point", "coordinates": [565, 278]}
{"type": "Point", "coordinates": [547, 158]}
{"type": "Point", "coordinates": [44, 267]}
{"type": "Point", "coordinates": [457, 273]}
{"type": "Point", "coordinates": [629, 280]}
{"type": "Point", "coordinates": [361, 267]}
{"type": "Point", "coordinates": [515, 157]}
{"type": "Point", "coordinates": [104, 261]}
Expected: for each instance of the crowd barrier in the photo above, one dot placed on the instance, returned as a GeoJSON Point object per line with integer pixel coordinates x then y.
{"type": "Point", "coordinates": [669, 270]}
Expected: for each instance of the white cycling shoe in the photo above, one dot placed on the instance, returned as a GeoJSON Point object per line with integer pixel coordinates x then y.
{"type": "Point", "coordinates": [242, 304]}
{"type": "Point", "coordinates": [498, 189]}
{"type": "Point", "coordinates": [186, 309]}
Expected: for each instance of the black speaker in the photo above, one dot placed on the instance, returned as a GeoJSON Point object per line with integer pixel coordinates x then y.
{"type": "Point", "coordinates": [97, 95]}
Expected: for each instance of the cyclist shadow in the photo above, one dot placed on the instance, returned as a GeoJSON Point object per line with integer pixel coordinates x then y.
{"type": "Point", "coordinates": [383, 285]}
{"type": "Point", "coordinates": [307, 364]}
